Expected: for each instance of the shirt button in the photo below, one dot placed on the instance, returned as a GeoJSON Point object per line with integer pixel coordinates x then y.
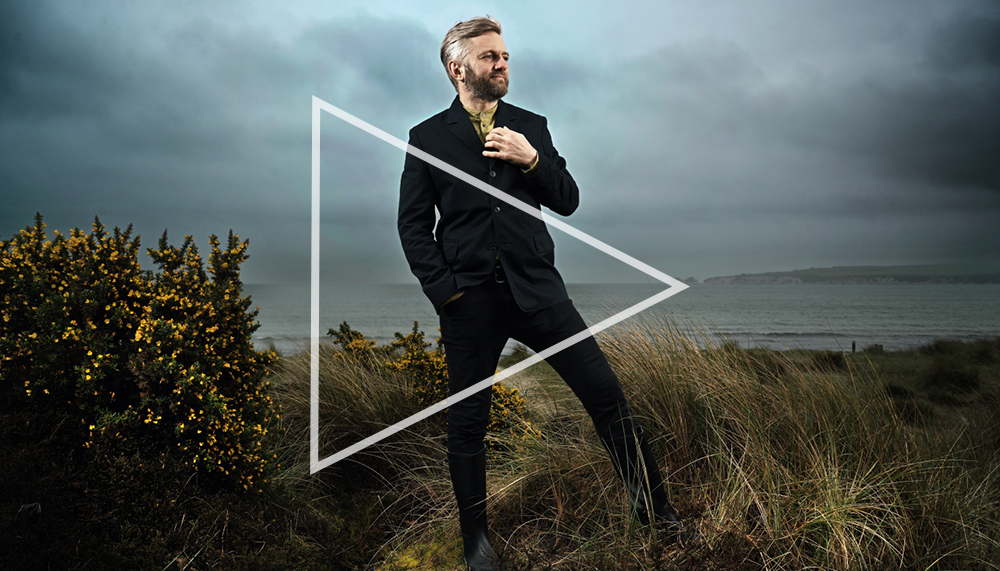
{"type": "Point", "coordinates": [496, 209]}
{"type": "Point", "coordinates": [493, 174]}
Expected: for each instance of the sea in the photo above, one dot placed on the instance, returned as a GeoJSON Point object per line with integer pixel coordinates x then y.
{"type": "Point", "coordinates": [826, 317]}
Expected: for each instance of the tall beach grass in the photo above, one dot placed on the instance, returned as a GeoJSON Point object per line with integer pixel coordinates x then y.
{"type": "Point", "coordinates": [787, 460]}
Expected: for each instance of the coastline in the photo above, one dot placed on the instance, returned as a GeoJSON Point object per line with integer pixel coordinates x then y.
{"type": "Point", "coordinates": [926, 274]}
{"type": "Point", "coordinates": [821, 316]}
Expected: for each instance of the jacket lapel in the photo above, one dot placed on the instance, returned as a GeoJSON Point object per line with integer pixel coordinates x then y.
{"type": "Point", "coordinates": [461, 126]}
{"type": "Point", "coordinates": [504, 117]}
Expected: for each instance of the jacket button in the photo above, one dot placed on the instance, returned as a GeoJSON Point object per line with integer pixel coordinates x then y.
{"type": "Point", "coordinates": [496, 209]}
{"type": "Point", "coordinates": [493, 174]}
{"type": "Point", "coordinates": [493, 246]}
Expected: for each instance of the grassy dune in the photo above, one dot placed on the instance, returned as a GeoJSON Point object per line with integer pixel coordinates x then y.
{"type": "Point", "coordinates": [778, 460]}
{"type": "Point", "coordinates": [784, 460]}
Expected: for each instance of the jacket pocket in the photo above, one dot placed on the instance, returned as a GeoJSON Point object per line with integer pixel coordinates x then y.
{"type": "Point", "coordinates": [544, 243]}
{"type": "Point", "coordinates": [450, 248]}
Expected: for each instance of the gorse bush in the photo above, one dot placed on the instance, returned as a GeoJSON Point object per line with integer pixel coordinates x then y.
{"type": "Point", "coordinates": [198, 368]}
{"type": "Point", "coordinates": [163, 359]}
{"type": "Point", "coordinates": [70, 306]}
{"type": "Point", "coordinates": [357, 348]}
{"type": "Point", "coordinates": [428, 372]}
{"type": "Point", "coordinates": [408, 354]}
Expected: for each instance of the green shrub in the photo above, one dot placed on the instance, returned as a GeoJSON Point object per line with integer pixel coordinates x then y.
{"type": "Point", "coordinates": [427, 369]}
{"type": "Point", "coordinates": [164, 359]}
{"type": "Point", "coordinates": [828, 361]}
{"type": "Point", "coordinates": [949, 373]}
{"type": "Point", "coordinates": [942, 347]}
{"type": "Point", "coordinates": [907, 407]}
{"type": "Point", "coordinates": [979, 351]}
{"type": "Point", "coordinates": [984, 350]}
{"type": "Point", "coordinates": [356, 348]}
{"type": "Point", "coordinates": [70, 306]}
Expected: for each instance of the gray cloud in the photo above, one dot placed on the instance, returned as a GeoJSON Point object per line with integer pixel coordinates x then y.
{"type": "Point", "coordinates": [721, 151]}
{"type": "Point", "coordinates": [966, 40]}
{"type": "Point", "coordinates": [202, 129]}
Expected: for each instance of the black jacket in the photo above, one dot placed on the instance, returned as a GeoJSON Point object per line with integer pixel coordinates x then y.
{"type": "Point", "coordinates": [474, 226]}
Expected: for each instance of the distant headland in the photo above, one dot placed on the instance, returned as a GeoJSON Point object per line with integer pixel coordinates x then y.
{"type": "Point", "coordinates": [971, 273]}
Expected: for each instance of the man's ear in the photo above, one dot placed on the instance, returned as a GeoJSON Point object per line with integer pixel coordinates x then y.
{"type": "Point", "coordinates": [456, 70]}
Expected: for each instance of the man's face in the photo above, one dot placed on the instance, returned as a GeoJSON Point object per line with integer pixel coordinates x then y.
{"type": "Point", "coordinates": [486, 71]}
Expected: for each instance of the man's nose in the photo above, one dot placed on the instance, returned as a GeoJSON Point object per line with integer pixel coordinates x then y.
{"type": "Point", "coordinates": [501, 64]}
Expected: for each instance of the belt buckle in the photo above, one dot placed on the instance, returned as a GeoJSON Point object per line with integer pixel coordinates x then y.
{"type": "Point", "coordinates": [497, 272]}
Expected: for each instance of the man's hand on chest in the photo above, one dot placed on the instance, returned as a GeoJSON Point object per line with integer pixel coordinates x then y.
{"type": "Point", "coordinates": [511, 146]}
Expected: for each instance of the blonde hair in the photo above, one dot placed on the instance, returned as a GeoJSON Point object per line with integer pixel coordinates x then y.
{"type": "Point", "coordinates": [456, 46]}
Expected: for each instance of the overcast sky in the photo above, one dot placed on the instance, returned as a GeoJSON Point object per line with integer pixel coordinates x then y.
{"type": "Point", "coordinates": [707, 138]}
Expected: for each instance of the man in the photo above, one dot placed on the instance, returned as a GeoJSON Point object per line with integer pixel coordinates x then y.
{"type": "Point", "coordinates": [489, 270]}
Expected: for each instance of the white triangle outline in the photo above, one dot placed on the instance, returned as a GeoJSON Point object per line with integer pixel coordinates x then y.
{"type": "Point", "coordinates": [315, 464]}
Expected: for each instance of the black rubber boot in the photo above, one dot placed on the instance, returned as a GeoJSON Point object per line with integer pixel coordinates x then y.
{"type": "Point", "coordinates": [468, 476]}
{"type": "Point", "coordinates": [636, 465]}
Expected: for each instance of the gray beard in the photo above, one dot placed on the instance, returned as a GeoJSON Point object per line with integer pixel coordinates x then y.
{"type": "Point", "coordinates": [482, 87]}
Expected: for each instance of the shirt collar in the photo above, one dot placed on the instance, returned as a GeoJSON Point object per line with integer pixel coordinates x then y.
{"type": "Point", "coordinates": [482, 116]}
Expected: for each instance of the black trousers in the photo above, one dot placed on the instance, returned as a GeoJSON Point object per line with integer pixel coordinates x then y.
{"type": "Point", "coordinates": [475, 328]}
